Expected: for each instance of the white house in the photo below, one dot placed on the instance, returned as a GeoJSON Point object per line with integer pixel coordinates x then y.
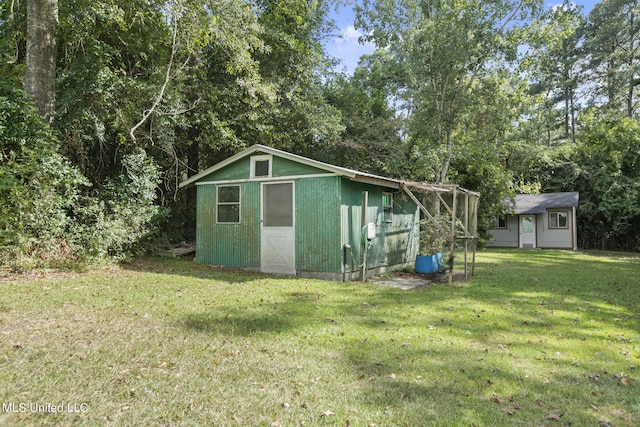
{"type": "Point", "coordinates": [545, 220]}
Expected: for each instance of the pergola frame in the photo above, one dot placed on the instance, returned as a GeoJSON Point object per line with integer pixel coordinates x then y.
{"type": "Point", "coordinates": [464, 217]}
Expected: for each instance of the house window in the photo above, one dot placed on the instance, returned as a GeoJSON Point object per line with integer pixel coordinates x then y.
{"type": "Point", "coordinates": [558, 220]}
{"type": "Point", "coordinates": [228, 206]}
{"type": "Point", "coordinates": [387, 207]}
{"type": "Point", "coordinates": [260, 166]}
{"type": "Point", "coordinates": [501, 222]}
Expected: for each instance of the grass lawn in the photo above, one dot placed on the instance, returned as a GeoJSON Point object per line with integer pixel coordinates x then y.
{"type": "Point", "coordinates": [537, 338]}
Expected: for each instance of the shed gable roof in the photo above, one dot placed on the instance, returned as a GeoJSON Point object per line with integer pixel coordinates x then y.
{"type": "Point", "coordinates": [349, 173]}
{"type": "Point", "coordinates": [539, 203]}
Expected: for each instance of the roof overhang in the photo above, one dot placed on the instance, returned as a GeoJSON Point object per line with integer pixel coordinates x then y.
{"type": "Point", "coordinates": [274, 152]}
{"type": "Point", "coordinates": [532, 204]}
{"type": "Point", "coordinates": [354, 175]}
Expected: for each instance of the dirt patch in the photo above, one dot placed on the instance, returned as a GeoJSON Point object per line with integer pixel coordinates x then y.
{"type": "Point", "coordinates": [10, 276]}
{"type": "Point", "coordinates": [411, 280]}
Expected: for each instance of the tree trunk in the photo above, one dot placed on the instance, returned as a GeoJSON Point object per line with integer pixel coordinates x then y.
{"type": "Point", "coordinates": [40, 67]}
{"type": "Point", "coordinates": [573, 118]}
{"type": "Point", "coordinates": [566, 114]}
{"type": "Point", "coordinates": [632, 74]}
{"type": "Point", "coordinates": [442, 174]}
{"type": "Point", "coordinates": [611, 86]}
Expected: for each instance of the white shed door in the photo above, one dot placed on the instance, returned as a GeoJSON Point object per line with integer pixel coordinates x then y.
{"type": "Point", "coordinates": [528, 231]}
{"type": "Point", "coordinates": [277, 243]}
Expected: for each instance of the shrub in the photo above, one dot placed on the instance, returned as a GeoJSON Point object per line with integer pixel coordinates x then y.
{"type": "Point", "coordinates": [37, 185]}
{"type": "Point", "coordinates": [112, 222]}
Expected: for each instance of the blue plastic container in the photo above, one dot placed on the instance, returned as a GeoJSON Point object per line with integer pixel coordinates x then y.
{"type": "Point", "coordinates": [427, 264]}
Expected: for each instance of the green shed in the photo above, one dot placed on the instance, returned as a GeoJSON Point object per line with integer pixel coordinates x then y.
{"type": "Point", "coordinates": [277, 212]}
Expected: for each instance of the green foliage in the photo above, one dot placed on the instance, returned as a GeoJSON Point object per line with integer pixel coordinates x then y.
{"type": "Point", "coordinates": [37, 184]}
{"type": "Point", "coordinates": [298, 118]}
{"type": "Point", "coordinates": [151, 92]}
{"type": "Point", "coordinates": [443, 51]}
{"type": "Point", "coordinates": [460, 98]}
{"type": "Point", "coordinates": [612, 47]}
{"type": "Point", "coordinates": [13, 16]}
{"type": "Point", "coordinates": [116, 220]}
{"type": "Point", "coordinates": [553, 63]}
{"type": "Point", "coordinates": [609, 182]}
{"type": "Point", "coordinates": [432, 240]}
{"type": "Point", "coordinates": [44, 215]}
{"type": "Point", "coordinates": [371, 139]}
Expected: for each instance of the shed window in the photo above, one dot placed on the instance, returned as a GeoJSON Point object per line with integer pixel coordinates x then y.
{"type": "Point", "coordinates": [228, 206]}
{"type": "Point", "coordinates": [260, 166]}
{"type": "Point", "coordinates": [558, 220]}
{"type": "Point", "coordinates": [501, 222]}
{"type": "Point", "coordinates": [387, 207]}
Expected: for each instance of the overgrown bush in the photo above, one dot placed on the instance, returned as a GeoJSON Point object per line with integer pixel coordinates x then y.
{"type": "Point", "coordinates": [609, 182]}
{"type": "Point", "coordinates": [432, 240]}
{"type": "Point", "coordinates": [49, 212]}
{"type": "Point", "coordinates": [113, 221]}
{"type": "Point", "coordinates": [37, 185]}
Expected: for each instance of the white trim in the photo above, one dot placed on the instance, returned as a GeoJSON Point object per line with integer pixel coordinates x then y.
{"type": "Point", "coordinates": [564, 212]}
{"type": "Point", "coordinates": [574, 229]}
{"type": "Point", "coordinates": [274, 152]}
{"type": "Point", "coordinates": [275, 178]}
{"type": "Point", "coordinates": [363, 177]}
{"type": "Point", "coordinates": [261, 158]}
{"type": "Point", "coordinates": [239, 202]}
{"type": "Point", "coordinates": [390, 194]}
{"type": "Point", "coordinates": [534, 233]}
{"type": "Point", "coordinates": [291, 230]}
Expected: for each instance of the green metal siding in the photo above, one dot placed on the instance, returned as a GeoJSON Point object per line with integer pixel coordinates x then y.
{"type": "Point", "coordinates": [241, 169]}
{"type": "Point", "coordinates": [396, 243]}
{"type": "Point", "coordinates": [284, 167]}
{"type": "Point", "coordinates": [236, 170]}
{"type": "Point", "coordinates": [328, 215]}
{"type": "Point", "coordinates": [318, 244]}
{"type": "Point", "coordinates": [400, 238]}
{"type": "Point", "coordinates": [233, 245]}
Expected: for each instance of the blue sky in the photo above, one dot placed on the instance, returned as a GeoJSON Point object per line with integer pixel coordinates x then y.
{"type": "Point", "coordinates": [346, 46]}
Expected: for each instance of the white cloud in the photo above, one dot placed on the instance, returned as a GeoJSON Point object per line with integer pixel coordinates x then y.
{"type": "Point", "coordinates": [350, 39]}
{"type": "Point", "coordinates": [349, 35]}
{"type": "Point", "coordinates": [348, 48]}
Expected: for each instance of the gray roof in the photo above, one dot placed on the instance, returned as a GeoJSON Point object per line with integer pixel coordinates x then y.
{"type": "Point", "coordinates": [539, 203]}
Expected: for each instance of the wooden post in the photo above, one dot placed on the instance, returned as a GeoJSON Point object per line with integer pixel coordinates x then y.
{"type": "Point", "coordinates": [466, 235]}
{"type": "Point", "coordinates": [423, 209]}
{"type": "Point", "coordinates": [452, 246]}
{"type": "Point", "coordinates": [474, 230]}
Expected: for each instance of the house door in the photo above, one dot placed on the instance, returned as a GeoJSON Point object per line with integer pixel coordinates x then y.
{"type": "Point", "coordinates": [277, 243]}
{"type": "Point", "coordinates": [528, 231]}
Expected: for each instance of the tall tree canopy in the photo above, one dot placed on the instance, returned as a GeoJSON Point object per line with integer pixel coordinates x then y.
{"type": "Point", "coordinates": [612, 45]}
{"type": "Point", "coordinates": [554, 66]}
{"type": "Point", "coordinates": [444, 50]}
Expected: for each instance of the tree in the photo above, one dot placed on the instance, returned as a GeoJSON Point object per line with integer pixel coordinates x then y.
{"type": "Point", "coordinates": [609, 181]}
{"type": "Point", "coordinates": [371, 140]}
{"type": "Point", "coordinates": [554, 67]}
{"type": "Point", "coordinates": [300, 119]}
{"type": "Point", "coordinates": [612, 43]}
{"type": "Point", "coordinates": [40, 66]}
{"type": "Point", "coordinates": [443, 49]}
